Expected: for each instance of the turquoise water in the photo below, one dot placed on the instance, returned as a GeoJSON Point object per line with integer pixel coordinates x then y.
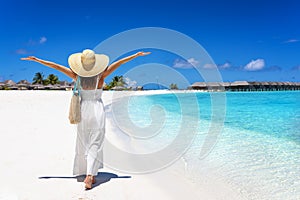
{"type": "Point", "coordinates": [257, 151]}
{"type": "Point", "coordinates": [272, 113]}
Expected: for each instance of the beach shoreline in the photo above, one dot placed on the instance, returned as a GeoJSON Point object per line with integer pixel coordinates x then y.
{"type": "Point", "coordinates": [37, 151]}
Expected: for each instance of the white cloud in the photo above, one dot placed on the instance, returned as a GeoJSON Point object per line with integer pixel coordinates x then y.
{"type": "Point", "coordinates": [22, 51]}
{"type": "Point", "coordinates": [225, 65]}
{"type": "Point", "coordinates": [43, 40]}
{"type": "Point", "coordinates": [210, 66]}
{"type": "Point", "coordinates": [255, 65]}
{"type": "Point", "coordinates": [193, 61]}
{"type": "Point", "coordinates": [189, 64]}
{"type": "Point", "coordinates": [291, 41]}
{"type": "Point", "coordinates": [130, 83]}
{"type": "Point", "coordinates": [181, 64]}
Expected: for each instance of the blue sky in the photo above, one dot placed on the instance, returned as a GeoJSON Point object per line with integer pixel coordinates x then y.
{"type": "Point", "coordinates": [248, 40]}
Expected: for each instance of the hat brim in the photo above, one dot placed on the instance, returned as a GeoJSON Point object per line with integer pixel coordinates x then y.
{"type": "Point", "coordinates": [101, 62]}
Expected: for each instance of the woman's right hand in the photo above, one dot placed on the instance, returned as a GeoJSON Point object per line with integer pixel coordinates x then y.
{"type": "Point", "coordinates": [31, 58]}
{"type": "Point", "coordinates": [141, 53]}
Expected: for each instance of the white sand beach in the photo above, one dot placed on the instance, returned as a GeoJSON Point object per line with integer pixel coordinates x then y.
{"type": "Point", "coordinates": [37, 150]}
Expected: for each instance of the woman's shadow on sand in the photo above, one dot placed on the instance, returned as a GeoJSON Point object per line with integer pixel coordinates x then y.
{"type": "Point", "coordinates": [102, 177]}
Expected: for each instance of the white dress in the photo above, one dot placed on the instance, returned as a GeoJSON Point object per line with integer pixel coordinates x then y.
{"type": "Point", "coordinates": [90, 134]}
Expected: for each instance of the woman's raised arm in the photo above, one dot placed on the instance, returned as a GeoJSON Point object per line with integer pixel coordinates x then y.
{"type": "Point", "coordinates": [63, 69]}
{"type": "Point", "coordinates": [118, 63]}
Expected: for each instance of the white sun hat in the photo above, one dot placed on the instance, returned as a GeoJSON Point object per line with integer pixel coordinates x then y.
{"type": "Point", "coordinates": [87, 63]}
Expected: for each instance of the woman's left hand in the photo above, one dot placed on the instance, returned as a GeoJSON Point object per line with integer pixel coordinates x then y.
{"type": "Point", "coordinates": [31, 58]}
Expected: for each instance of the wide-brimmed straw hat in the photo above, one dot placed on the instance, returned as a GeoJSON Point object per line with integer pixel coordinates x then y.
{"type": "Point", "coordinates": [87, 63]}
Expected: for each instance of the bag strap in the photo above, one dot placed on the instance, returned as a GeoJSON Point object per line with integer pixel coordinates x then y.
{"type": "Point", "coordinates": [76, 86]}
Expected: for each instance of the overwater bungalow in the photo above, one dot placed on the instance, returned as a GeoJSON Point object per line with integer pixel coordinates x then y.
{"type": "Point", "coordinates": [214, 86]}
{"type": "Point", "coordinates": [273, 86]}
{"type": "Point", "coordinates": [255, 86]}
{"type": "Point", "coordinates": [199, 86]}
{"type": "Point", "coordinates": [240, 86]}
{"type": "Point", "coordinates": [245, 86]}
{"type": "Point", "coordinates": [226, 85]}
{"type": "Point", "coordinates": [265, 86]}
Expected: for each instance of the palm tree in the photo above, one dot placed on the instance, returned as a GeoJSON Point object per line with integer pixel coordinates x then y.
{"type": "Point", "coordinates": [52, 79]}
{"type": "Point", "coordinates": [117, 81]}
{"type": "Point", "coordinates": [38, 78]}
{"type": "Point", "coordinates": [173, 86]}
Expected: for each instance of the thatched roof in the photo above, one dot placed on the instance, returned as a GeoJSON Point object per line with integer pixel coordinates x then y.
{"type": "Point", "coordinates": [265, 83]}
{"type": "Point", "coordinates": [9, 82]}
{"type": "Point", "coordinates": [212, 84]}
{"type": "Point", "coordinates": [240, 83]}
{"type": "Point", "coordinates": [199, 84]}
{"type": "Point", "coordinates": [285, 83]}
{"type": "Point", "coordinates": [25, 82]}
{"type": "Point", "coordinates": [254, 83]}
{"type": "Point", "coordinates": [225, 84]}
{"type": "Point", "coordinates": [273, 83]}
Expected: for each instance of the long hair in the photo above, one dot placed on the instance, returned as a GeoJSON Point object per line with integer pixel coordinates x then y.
{"type": "Point", "coordinates": [89, 83]}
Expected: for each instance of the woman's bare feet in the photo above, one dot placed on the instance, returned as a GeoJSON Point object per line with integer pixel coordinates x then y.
{"type": "Point", "coordinates": [89, 180]}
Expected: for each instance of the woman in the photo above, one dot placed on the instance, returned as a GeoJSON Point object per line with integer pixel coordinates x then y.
{"type": "Point", "coordinates": [89, 70]}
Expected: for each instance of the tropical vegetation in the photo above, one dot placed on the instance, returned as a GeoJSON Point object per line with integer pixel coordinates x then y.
{"type": "Point", "coordinates": [173, 86]}
{"type": "Point", "coordinates": [39, 79]}
{"type": "Point", "coordinates": [117, 81]}
{"type": "Point", "coordinates": [51, 79]}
